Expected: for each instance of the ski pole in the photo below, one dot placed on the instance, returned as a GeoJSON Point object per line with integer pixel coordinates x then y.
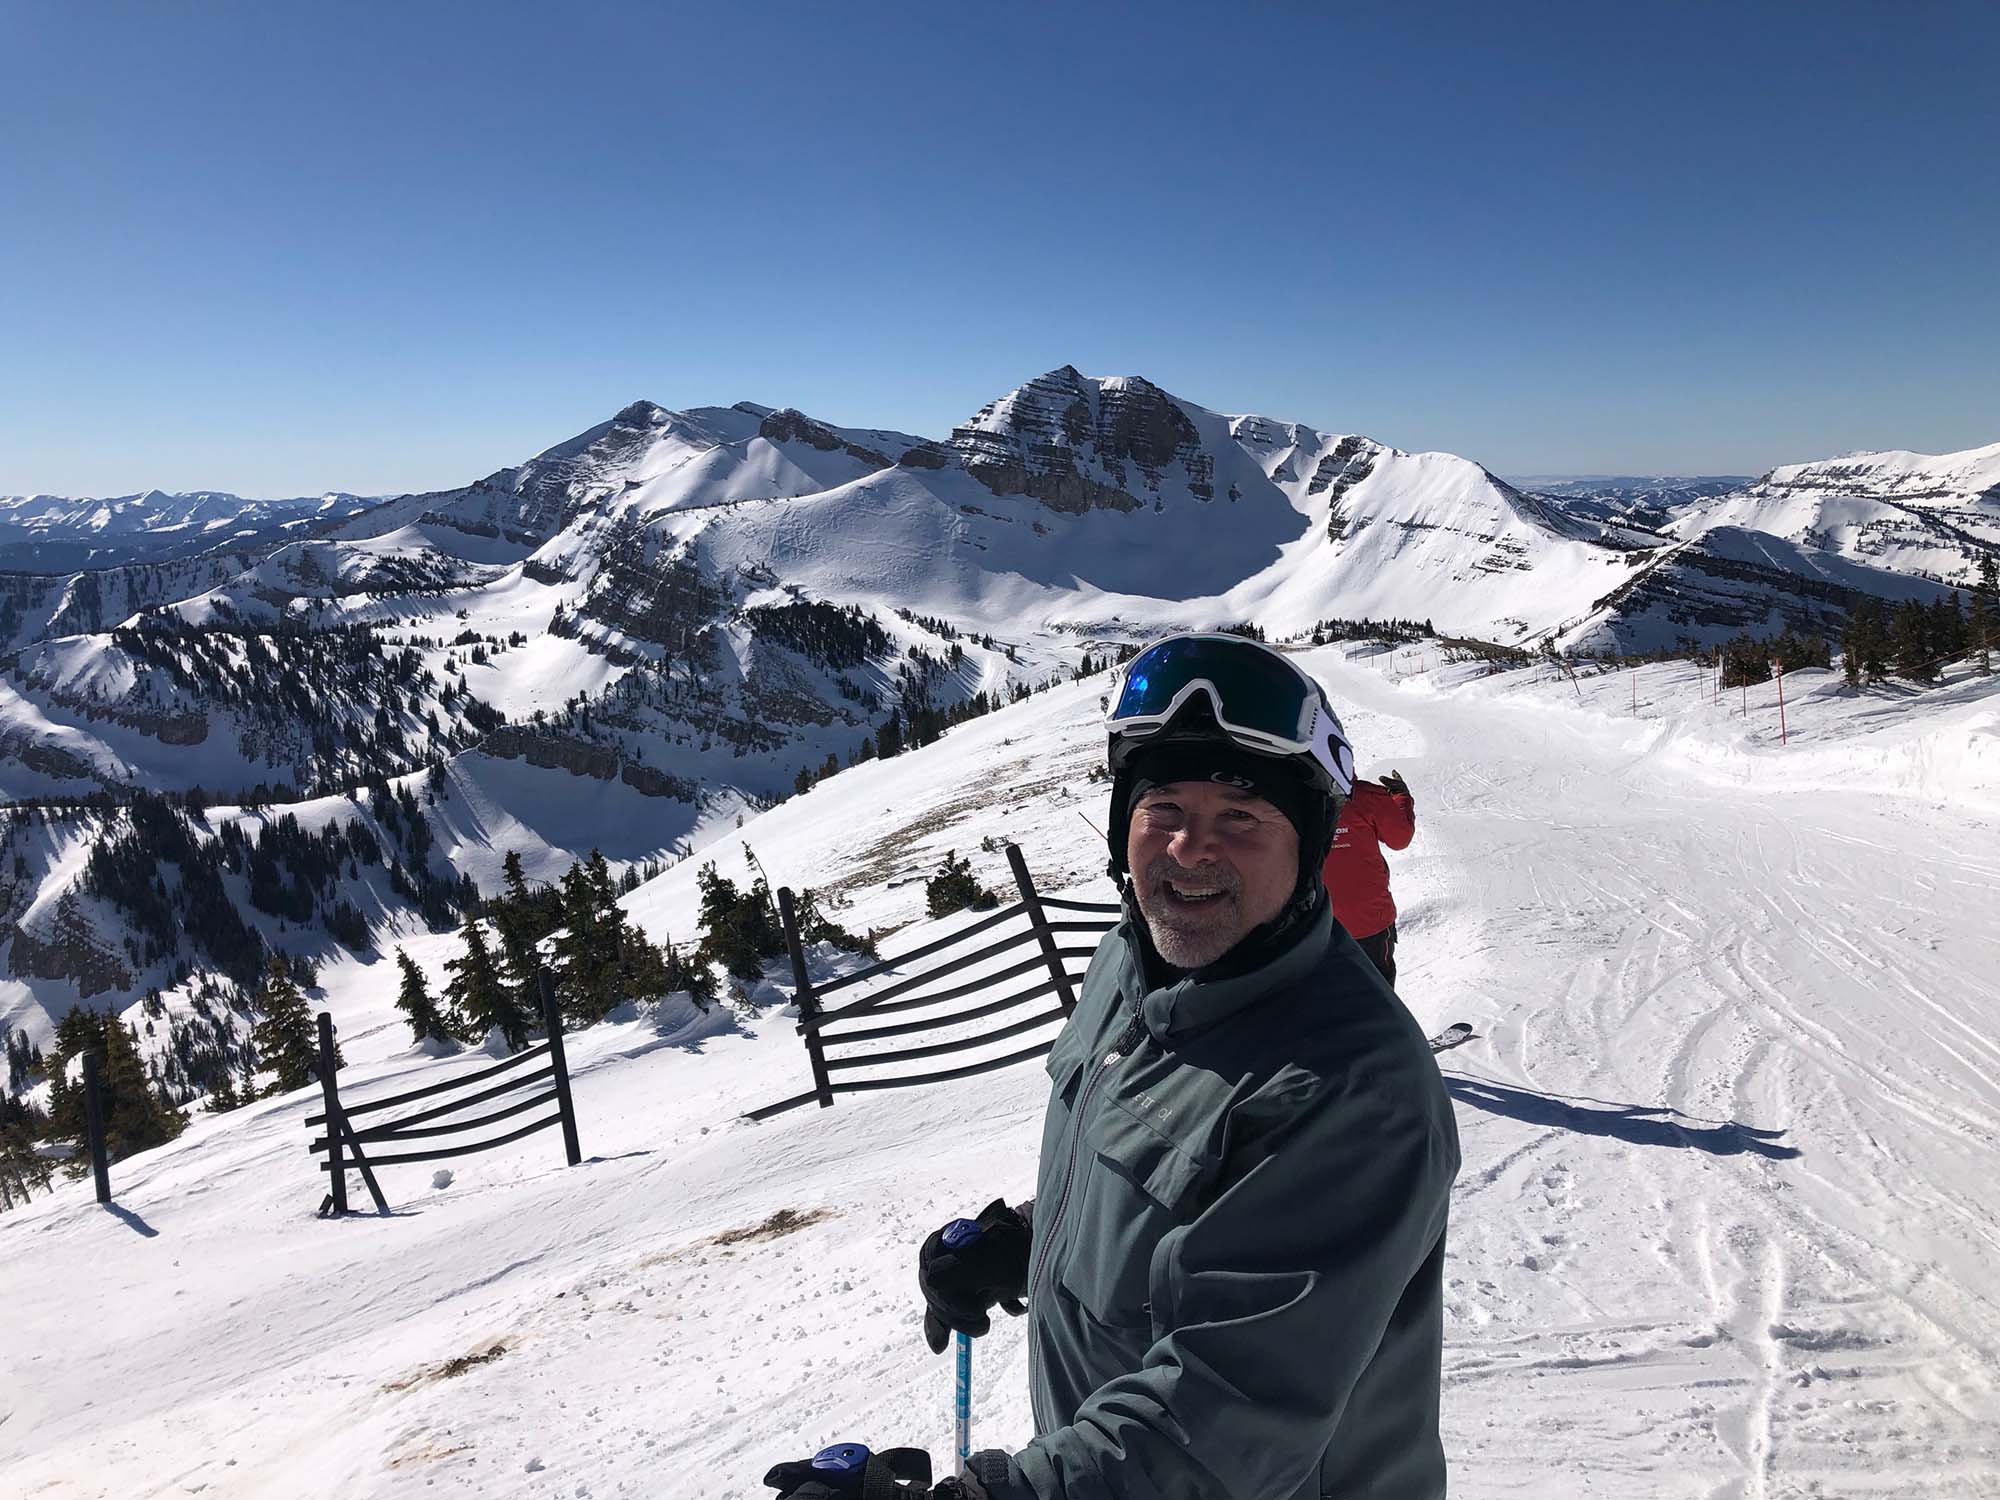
{"type": "Point", "coordinates": [962, 1399]}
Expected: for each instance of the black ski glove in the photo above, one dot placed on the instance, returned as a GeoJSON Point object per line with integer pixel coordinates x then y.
{"type": "Point", "coordinates": [967, 1266]}
{"type": "Point", "coordinates": [1395, 783]}
{"type": "Point", "coordinates": [848, 1471]}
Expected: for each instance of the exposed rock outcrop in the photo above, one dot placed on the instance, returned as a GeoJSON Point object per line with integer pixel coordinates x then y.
{"type": "Point", "coordinates": [70, 950]}
{"type": "Point", "coordinates": [561, 752]}
{"type": "Point", "coordinates": [789, 426]}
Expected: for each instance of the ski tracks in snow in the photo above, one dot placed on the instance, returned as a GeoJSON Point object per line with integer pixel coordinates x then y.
{"type": "Point", "coordinates": [1727, 1225]}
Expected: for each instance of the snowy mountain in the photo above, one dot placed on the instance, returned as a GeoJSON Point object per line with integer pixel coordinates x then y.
{"type": "Point", "coordinates": [49, 533]}
{"type": "Point", "coordinates": [675, 620]}
{"type": "Point", "coordinates": [1928, 514]}
{"type": "Point", "coordinates": [43, 606]}
{"type": "Point", "coordinates": [1727, 581]}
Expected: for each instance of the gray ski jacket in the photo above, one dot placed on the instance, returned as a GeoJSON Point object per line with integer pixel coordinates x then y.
{"type": "Point", "coordinates": [1235, 1288]}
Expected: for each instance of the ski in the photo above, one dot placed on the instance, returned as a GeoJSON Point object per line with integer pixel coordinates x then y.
{"type": "Point", "coordinates": [1451, 1036]}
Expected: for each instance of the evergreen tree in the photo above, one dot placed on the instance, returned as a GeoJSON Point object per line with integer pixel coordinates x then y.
{"type": "Point", "coordinates": [516, 880]}
{"type": "Point", "coordinates": [21, 1166]}
{"type": "Point", "coordinates": [1745, 660]}
{"type": "Point", "coordinates": [135, 1116]}
{"type": "Point", "coordinates": [739, 929]}
{"type": "Point", "coordinates": [1979, 628]}
{"type": "Point", "coordinates": [1947, 630]}
{"type": "Point", "coordinates": [1911, 636]}
{"type": "Point", "coordinates": [889, 739]}
{"type": "Point", "coordinates": [520, 961]}
{"type": "Point", "coordinates": [587, 948]}
{"type": "Point", "coordinates": [600, 883]}
{"type": "Point", "coordinates": [286, 1039]}
{"type": "Point", "coordinates": [476, 993]}
{"type": "Point", "coordinates": [1867, 639]}
{"type": "Point", "coordinates": [427, 1022]}
{"type": "Point", "coordinates": [954, 888]}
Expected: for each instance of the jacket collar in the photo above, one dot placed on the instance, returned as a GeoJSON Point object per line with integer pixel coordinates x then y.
{"type": "Point", "coordinates": [1193, 1002]}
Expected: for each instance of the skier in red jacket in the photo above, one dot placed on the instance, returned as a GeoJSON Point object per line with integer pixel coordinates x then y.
{"type": "Point", "coordinates": [1355, 874]}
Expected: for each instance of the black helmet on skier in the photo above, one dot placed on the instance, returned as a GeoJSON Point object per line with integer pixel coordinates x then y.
{"type": "Point", "coordinates": [1223, 707]}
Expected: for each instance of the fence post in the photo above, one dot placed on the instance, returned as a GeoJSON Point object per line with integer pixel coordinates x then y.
{"type": "Point", "coordinates": [1783, 738]}
{"type": "Point", "coordinates": [93, 1123]}
{"type": "Point", "coordinates": [1018, 862]}
{"type": "Point", "coordinates": [334, 1119]}
{"type": "Point", "coordinates": [808, 1002]}
{"type": "Point", "coordinates": [559, 1062]}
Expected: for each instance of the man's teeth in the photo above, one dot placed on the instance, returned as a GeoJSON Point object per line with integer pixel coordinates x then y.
{"type": "Point", "coordinates": [1193, 893]}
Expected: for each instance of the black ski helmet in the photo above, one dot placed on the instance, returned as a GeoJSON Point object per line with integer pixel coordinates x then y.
{"type": "Point", "coordinates": [1316, 771]}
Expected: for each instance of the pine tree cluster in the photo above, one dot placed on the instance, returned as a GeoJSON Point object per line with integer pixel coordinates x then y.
{"type": "Point", "coordinates": [338, 701]}
{"type": "Point", "coordinates": [128, 869]}
{"type": "Point", "coordinates": [1393, 631]}
{"type": "Point", "coordinates": [1749, 659]}
{"type": "Point", "coordinates": [1912, 639]}
{"type": "Point", "coordinates": [742, 930]}
{"type": "Point", "coordinates": [597, 960]}
{"type": "Point", "coordinates": [829, 635]}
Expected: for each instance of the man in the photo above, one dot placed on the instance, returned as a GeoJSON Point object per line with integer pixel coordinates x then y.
{"type": "Point", "coordinates": [1379, 815]}
{"type": "Point", "coordinates": [1233, 1268]}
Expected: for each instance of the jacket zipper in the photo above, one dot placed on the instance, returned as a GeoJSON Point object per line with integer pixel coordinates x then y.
{"type": "Point", "coordinates": [1118, 1050]}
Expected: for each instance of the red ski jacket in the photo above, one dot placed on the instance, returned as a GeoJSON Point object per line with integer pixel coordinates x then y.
{"type": "Point", "coordinates": [1356, 875]}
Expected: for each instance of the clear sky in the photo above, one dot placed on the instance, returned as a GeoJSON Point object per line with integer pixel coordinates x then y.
{"type": "Point", "coordinates": [281, 249]}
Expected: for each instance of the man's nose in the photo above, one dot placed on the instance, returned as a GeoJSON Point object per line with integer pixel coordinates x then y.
{"type": "Point", "coordinates": [1192, 842]}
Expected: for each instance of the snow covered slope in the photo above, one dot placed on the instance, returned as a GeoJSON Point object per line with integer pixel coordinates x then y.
{"type": "Point", "coordinates": [1908, 512]}
{"type": "Point", "coordinates": [1728, 580]}
{"type": "Point", "coordinates": [1712, 1236]}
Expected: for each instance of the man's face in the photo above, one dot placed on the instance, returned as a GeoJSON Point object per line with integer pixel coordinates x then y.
{"type": "Point", "coordinates": [1209, 863]}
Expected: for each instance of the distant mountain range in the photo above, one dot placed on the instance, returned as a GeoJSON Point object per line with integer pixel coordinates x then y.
{"type": "Point", "coordinates": [642, 634]}
{"type": "Point", "coordinates": [47, 533]}
{"type": "Point", "coordinates": [1644, 500]}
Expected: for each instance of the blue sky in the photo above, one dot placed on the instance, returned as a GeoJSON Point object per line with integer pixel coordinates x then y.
{"type": "Point", "coordinates": [280, 249]}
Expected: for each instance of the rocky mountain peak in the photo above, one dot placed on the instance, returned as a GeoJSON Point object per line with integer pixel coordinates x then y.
{"type": "Point", "coordinates": [642, 414]}
{"type": "Point", "coordinates": [1077, 443]}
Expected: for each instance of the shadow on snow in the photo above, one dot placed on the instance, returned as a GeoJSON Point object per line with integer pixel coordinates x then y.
{"type": "Point", "coordinates": [1638, 1124]}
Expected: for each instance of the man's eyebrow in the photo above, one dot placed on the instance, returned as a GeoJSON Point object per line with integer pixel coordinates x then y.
{"type": "Point", "coordinates": [1237, 793]}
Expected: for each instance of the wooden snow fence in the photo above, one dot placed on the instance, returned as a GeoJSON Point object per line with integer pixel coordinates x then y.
{"type": "Point", "coordinates": [1032, 958]}
{"type": "Point", "coordinates": [521, 1090]}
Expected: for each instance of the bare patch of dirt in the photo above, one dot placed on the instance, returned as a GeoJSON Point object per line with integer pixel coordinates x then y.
{"type": "Point", "coordinates": [425, 1454]}
{"type": "Point", "coordinates": [450, 1369]}
{"type": "Point", "coordinates": [785, 1221]}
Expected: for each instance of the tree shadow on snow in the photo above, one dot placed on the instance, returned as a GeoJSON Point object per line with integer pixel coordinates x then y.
{"type": "Point", "coordinates": [119, 1212]}
{"type": "Point", "coordinates": [1638, 1124]}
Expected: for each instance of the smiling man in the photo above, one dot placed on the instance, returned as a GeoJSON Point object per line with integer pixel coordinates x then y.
{"type": "Point", "coordinates": [1233, 1266]}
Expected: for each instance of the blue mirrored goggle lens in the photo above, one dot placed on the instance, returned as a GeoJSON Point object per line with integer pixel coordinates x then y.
{"type": "Point", "coordinates": [1259, 692]}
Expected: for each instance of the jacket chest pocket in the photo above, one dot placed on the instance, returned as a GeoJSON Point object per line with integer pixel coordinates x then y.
{"type": "Point", "coordinates": [1137, 1184]}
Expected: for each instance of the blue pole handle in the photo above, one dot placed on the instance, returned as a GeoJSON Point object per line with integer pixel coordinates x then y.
{"type": "Point", "coordinates": [963, 1400]}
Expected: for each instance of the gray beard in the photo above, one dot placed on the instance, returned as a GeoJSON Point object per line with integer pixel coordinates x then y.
{"type": "Point", "coordinates": [1189, 938]}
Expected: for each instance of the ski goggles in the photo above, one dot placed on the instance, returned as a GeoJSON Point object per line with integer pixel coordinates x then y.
{"type": "Point", "coordinates": [1259, 699]}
